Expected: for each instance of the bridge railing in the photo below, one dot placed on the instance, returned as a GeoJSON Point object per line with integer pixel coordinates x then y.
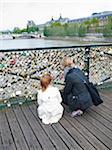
{"type": "Point", "coordinates": [20, 69]}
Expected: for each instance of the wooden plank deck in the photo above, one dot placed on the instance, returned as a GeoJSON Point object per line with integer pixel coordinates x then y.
{"type": "Point", "coordinates": [21, 129]}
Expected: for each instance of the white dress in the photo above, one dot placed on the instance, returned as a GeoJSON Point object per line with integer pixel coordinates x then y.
{"type": "Point", "coordinates": [50, 109]}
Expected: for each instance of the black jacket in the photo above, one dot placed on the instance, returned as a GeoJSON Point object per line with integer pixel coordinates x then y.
{"type": "Point", "coordinates": [74, 87]}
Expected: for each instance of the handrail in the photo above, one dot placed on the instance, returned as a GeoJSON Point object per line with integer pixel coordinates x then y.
{"type": "Point", "coordinates": [57, 47]}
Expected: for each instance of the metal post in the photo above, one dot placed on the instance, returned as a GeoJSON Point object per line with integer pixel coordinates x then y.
{"type": "Point", "coordinates": [87, 61]}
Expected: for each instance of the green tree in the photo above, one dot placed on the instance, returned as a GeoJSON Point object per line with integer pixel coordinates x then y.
{"type": "Point", "coordinates": [95, 24]}
{"type": "Point", "coordinates": [24, 30]}
{"type": "Point", "coordinates": [46, 31]}
{"type": "Point", "coordinates": [72, 29]}
{"type": "Point", "coordinates": [95, 21]}
{"type": "Point", "coordinates": [92, 25]}
{"type": "Point", "coordinates": [82, 30]}
{"type": "Point", "coordinates": [32, 29]}
{"type": "Point", "coordinates": [16, 30]}
{"type": "Point", "coordinates": [87, 24]}
{"type": "Point", "coordinates": [107, 30]}
{"type": "Point", "coordinates": [56, 29]}
{"type": "Point", "coordinates": [56, 24]}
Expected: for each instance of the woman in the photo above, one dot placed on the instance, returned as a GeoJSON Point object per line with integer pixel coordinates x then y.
{"type": "Point", "coordinates": [75, 93]}
{"type": "Point", "coordinates": [50, 109]}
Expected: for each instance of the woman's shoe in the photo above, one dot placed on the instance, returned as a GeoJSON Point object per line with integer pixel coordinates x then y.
{"type": "Point", "coordinates": [76, 113]}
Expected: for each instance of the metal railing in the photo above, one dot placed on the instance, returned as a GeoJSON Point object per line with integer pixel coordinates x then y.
{"type": "Point", "coordinates": [20, 69]}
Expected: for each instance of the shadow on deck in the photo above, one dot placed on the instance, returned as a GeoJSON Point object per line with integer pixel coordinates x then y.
{"type": "Point", "coordinates": [21, 129]}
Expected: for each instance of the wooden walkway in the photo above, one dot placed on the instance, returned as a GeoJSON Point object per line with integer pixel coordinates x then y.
{"type": "Point", "coordinates": [21, 129]}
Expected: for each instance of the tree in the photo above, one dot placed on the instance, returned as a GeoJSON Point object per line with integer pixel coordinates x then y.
{"type": "Point", "coordinates": [47, 31]}
{"type": "Point", "coordinates": [23, 30]}
{"type": "Point", "coordinates": [72, 29]}
{"type": "Point", "coordinates": [95, 24]}
{"type": "Point", "coordinates": [82, 30]}
{"type": "Point", "coordinates": [32, 29]}
{"type": "Point", "coordinates": [56, 29]}
{"type": "Point", "coordinates": [16, 30]}
{"type": "Point", "coordinates": [107, 30]}
{"type": "Point", "coordinates": [92, 24]}
{"type": "Point", "coordinates": [87, 24]}
{"type": "Point", "coordinates": [56, 24]}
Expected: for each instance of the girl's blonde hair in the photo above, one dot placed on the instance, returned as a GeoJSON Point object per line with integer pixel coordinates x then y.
{"type": "Point", "coordinates": [45, 80]}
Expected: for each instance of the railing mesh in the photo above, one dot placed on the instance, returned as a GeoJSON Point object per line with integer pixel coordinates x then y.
{"type": "Point", "coordinates": [20, 70]}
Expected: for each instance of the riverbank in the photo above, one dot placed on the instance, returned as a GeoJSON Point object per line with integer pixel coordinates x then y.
{"type": "Point", "coordinates": [89, 38]}
{"type": "Point", "coordinates": [86, 39]}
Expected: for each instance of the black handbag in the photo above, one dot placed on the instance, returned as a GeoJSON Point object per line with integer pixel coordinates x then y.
{"type": "Point", "coordinates": [93, 92]}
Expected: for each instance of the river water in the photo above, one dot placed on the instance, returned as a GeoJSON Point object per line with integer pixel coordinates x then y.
{"type": "Point", "coordinates": [33, 43]}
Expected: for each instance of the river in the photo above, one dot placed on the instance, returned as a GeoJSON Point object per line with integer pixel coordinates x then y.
{"type": "Point", "coordinates": [34, 43]}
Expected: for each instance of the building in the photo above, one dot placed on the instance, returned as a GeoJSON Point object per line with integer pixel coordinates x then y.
{"type": "Point", "coordinates": [60, 20]}
{"type": "Point", "coordinates": [102, 16]}
{"type": "Point", "coordinates": [30, 24]}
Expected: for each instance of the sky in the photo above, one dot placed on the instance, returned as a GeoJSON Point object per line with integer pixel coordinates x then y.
{"type": "Point", "coordinates": [16, 13]}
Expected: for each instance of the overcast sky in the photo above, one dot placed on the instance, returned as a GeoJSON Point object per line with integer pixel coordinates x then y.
{"type": "Point", "coordinates": [16, 13]}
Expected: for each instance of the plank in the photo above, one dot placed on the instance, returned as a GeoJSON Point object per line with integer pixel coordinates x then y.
{"type": "Point", "coordinates": [76, 135]}
{"type": "Point", "coordinates": [19, 138]}
{"type": "Point", "coordinates": [86, 133]}
{"type": "Point", "coordinates": [7, 138]}
{"type": "Point", "coordinates": [72, 144]}
{"type": "Point", "coordinates": [105, 108]}
{"type": "Point", "coordinates": [1, 141]}
{"type": "Point", "coordinates": [103, 113]}
{"type": "Point", "coordinates": [107, 97]}
{"type": "Point", "coordinates": [106, 101]}
{"type": "Point", "coordinates": [43, 139]}
{"type": "Point", "coordinates": [100, 118]}
{"type": "Point", "coordinates": [95, 131]}
{"type": "Point", "coordinates": [27, 131]}
{"type": "Point", "coordinates": [98, 125]}
{"type": "Point", "coordinates": [53, 136]}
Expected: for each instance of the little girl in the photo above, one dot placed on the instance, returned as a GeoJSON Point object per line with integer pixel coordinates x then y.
{"type": "Point", "coordinates": [50, 109]}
